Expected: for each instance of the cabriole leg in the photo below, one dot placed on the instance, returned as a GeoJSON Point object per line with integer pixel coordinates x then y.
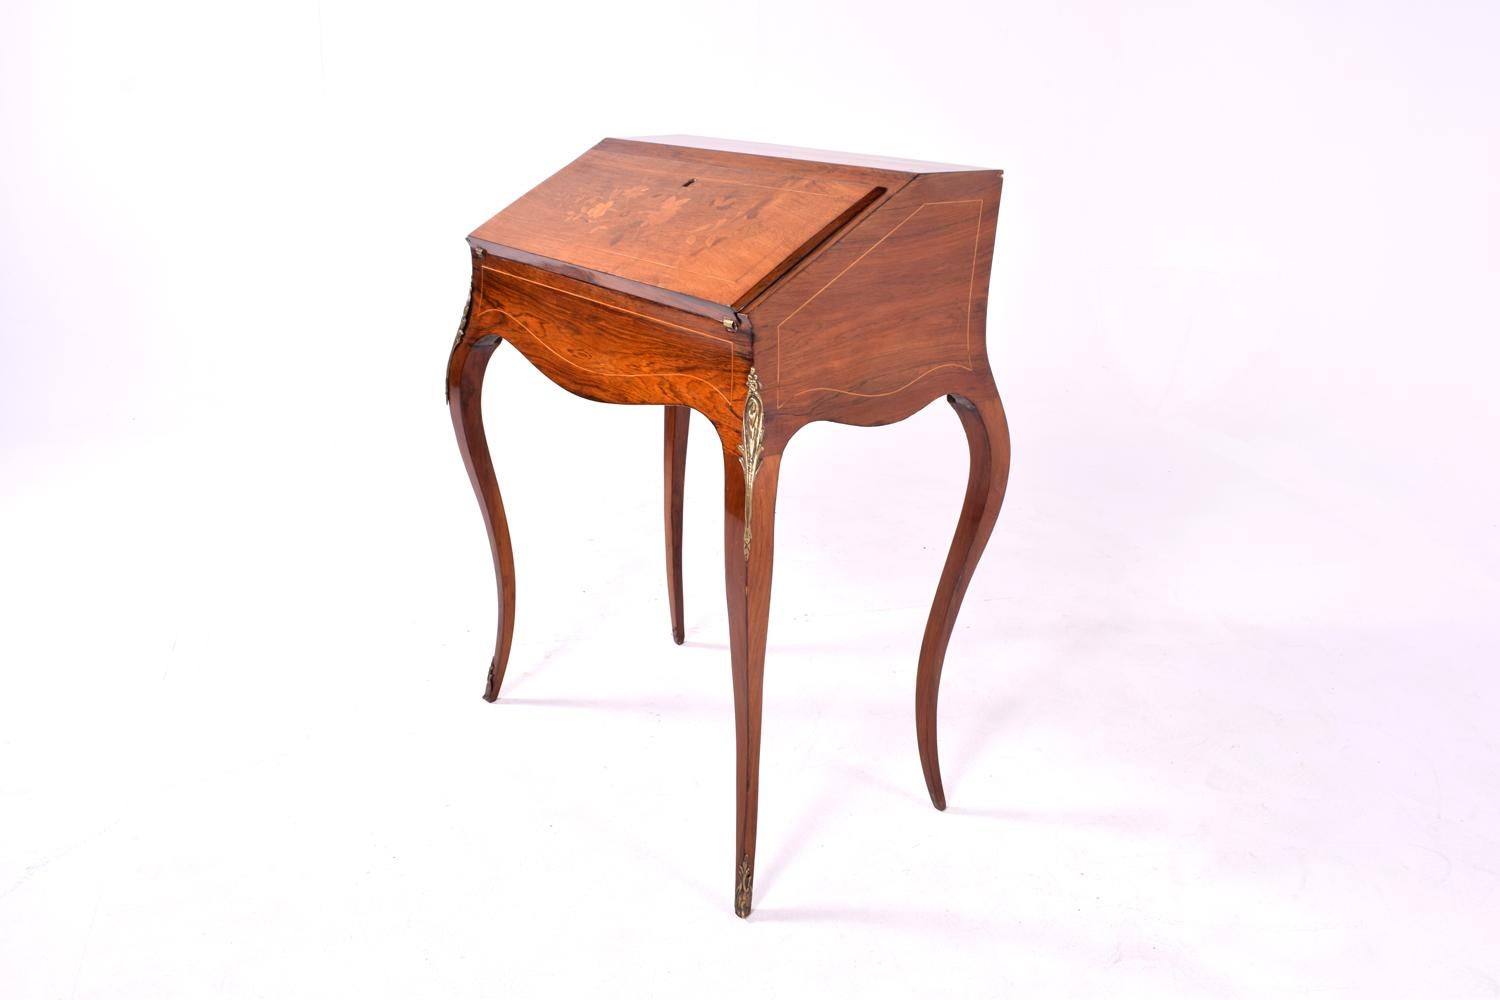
{"type": "Point", "coordinates": [983, 420]}
{"type": "Point", "coordinates": [674, 467]}
{"type": "Point", "coordinates": [466, 368]}
{"type": "Point", "coordinates": [750, 474]}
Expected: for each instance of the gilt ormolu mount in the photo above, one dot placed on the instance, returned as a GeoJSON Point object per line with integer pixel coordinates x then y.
{"type": "Point", "coordinates": [765, 287]}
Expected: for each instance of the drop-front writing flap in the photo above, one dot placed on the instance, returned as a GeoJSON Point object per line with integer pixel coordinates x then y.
{"type": "Point", "coordinates": [706, 224]}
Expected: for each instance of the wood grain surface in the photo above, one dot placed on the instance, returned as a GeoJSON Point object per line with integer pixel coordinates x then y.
{"type": "Point", "coordinates": [606, 346]}
{"type": "Point", "coordinates": [691, 223]}
{"type": "Point", "coordinates": [890, 317]}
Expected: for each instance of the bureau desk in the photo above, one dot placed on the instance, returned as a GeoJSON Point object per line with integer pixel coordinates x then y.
{"type": "Point", "coordinates": [765, 287]}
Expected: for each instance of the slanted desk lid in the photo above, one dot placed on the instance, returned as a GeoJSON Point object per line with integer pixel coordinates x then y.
{"type": "Point", "coordinates": [710, 225]}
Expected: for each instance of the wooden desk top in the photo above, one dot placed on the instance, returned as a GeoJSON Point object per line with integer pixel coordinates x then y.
{"type": "Point", "coordinates": [701, 224]}
{"type": "Point", "coordinates": [808, 155]}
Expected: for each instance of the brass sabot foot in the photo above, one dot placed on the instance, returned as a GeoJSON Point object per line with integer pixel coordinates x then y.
{"type": "Point", "coordinates": [742, 888]}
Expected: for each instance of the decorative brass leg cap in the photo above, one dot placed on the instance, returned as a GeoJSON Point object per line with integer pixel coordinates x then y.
{"type": "Point", "coordinates": [490, 692]}
{"type": "Point", "coordinates": [742, 888]}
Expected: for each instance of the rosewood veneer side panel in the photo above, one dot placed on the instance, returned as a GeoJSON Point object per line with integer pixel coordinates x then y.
{"type": "Point", "coordinates": [891, 315]}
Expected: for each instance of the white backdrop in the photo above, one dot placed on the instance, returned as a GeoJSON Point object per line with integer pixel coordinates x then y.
{"type": "Point", "coordinates": [1219, 715]}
